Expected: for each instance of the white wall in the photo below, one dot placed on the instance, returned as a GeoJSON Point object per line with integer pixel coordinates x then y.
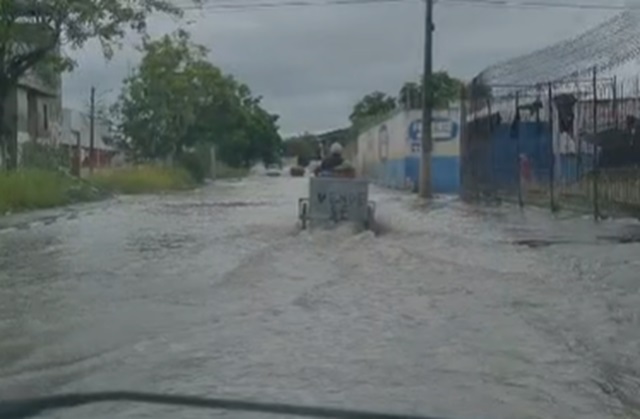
{"type": "Point", "coordinates": [404, 131]}
{"type": "Point", "coordinates": [384, 140]}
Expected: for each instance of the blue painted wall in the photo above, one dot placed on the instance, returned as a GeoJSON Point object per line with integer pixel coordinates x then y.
{"type": "Point", "coordinates": [445, 173]}
{"type": "Point", "coordinates": [497, 161]}
{"type": "Point", "coordinates": [391, 173]}
{"type": "Point", "coordinates": [535, 140]}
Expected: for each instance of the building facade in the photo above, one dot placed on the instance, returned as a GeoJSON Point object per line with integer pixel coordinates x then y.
{"type": "Point", "coordinates": [389, 152]}
{"type": "Point", "coordinates": [33, 112]}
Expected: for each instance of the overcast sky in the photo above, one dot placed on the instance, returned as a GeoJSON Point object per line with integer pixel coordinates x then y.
{"type": "Point", "coordinates": [312, 63]}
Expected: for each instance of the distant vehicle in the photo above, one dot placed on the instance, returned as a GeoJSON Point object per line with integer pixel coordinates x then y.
{"type": "Point", "coordinates": [274, 170]}
{"type": "Point", "coordinates": [297, 171]}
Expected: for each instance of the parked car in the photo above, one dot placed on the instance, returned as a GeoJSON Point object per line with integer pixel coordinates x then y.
{"type": "Point", "coordinates": [274, 170]}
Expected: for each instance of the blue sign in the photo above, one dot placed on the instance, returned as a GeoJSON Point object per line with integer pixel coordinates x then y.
{"type": "Point", "coordinates": [442, 129]}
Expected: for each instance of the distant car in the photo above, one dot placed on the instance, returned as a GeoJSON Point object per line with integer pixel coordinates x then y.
{"type": "Point", "coordinates": [274, 170]}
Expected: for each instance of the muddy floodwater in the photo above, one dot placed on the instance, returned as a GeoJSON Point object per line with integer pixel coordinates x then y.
{"type": "Point", "coordinates": [454, 311]}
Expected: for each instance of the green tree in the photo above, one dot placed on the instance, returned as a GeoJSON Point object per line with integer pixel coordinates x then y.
{"type": "Point", "coordinates": [157, 104]}
{"type": "Point", "coordinates": [372, 105]}
{"type": "Point", "coordinates": [34, 32]}
{"type": "Point", "coordinates": [176, 99]}
{"type": "Point", "coordinates": [444, 90]}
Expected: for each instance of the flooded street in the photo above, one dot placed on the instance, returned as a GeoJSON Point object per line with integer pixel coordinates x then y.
{"type": "Point", "coordinates": [454, 311]}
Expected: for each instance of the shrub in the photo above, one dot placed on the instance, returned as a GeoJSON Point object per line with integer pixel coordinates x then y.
{"type": "Point", "coordinates": [296, 171]}
{"type": "Point", "coordinates": [196, 164]}
{"type": "Point", "coordinates": [38, 188]}
{"type": "Point", "coordinates": [143, 179]}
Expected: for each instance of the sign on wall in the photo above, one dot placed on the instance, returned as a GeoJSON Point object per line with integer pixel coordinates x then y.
{"type": "Point", "coordinates": [442, 130]}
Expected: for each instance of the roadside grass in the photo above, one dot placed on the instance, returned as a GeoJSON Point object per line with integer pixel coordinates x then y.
{"type": "Point", "coordinates": [30, 189]}
{"type": "Point", "coordinates": [142, 179]}
{"type": "Point", "coordinates": [35, 189]}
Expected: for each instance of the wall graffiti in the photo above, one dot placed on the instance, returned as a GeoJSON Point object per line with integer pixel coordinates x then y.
{"type": "Point", "coordinates": [341, 204]}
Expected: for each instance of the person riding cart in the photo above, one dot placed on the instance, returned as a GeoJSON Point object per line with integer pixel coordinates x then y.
{"type": "Point", "coordinates": [334, 164]}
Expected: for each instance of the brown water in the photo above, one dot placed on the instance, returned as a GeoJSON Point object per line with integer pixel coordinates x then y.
{"type": "Point", "coordinates": [455, 311]}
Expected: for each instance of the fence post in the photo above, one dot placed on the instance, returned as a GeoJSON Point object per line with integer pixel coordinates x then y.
{"type": "Point", "coordinates": [517, 134]}
{"type": "Point", "coordinates": [464, 145]}
{"type": "Point", "coordinates": [594, 163]}
{"type": "Point", "coordinates": [552, 156]}
{"type": "Point", "coordinates": [614, 102]}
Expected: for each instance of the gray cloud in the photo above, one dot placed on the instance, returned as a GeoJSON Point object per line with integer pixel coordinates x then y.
{"type": "Point", "coordinates": [312, 63]}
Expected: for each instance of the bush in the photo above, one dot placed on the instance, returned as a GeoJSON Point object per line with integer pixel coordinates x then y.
{"type": "Point", "coordinates": [296, 171]}
{"type": "Point", "coordinates": [196, 164]}
{"type": "Point", "coordinates": [143, 179]}
{"type": "Point", "coordinates": [37, 188]}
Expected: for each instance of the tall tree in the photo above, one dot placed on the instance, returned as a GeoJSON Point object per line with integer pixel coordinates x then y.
{"type": "Point", "coordinates": [373, 104]}
{"type": "Point", "coordinates": [34, 32]}
{"type": "Point", "coordinates": [445, 89]}
{"type": "Point", "coordinates": [177, 99]}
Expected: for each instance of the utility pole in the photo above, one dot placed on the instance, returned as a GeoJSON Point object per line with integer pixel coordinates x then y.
{"type": "Point", "coordinates": [427, 104]}
{"type": "Point", "coordinates": [92, 118]}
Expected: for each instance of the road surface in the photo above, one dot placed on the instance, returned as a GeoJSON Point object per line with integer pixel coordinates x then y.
{"type": "Point", "coordinates": [454, 311]}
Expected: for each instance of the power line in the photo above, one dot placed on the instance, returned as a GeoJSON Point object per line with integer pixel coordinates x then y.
{"type": "Point", "coordinates": [604, 47]}
{"type": "Point", "coordinates": [543, 4]}
{"type": "Point", "coordinates": [237, 5]}
{"type": "Point", "coordinates": [232, 6]}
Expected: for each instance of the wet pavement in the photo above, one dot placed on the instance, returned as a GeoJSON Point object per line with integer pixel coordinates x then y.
{"type": "Point", "coordinates": [456, 311]}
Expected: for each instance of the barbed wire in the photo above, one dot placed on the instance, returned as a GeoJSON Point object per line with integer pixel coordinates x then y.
{"type": "Point", "coordinates": [605, 47]}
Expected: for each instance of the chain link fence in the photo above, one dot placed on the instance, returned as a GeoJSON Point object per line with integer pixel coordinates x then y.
{"type": "Point", "coordinates": [573, 144]}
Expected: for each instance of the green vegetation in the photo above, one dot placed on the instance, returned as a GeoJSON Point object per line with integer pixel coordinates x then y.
{"type": "Point", "coordinates": [444, 90]}
{"type": "Point", "coordinates": [35, 189]}
{"type": "Point", "coordinates": [143, 179]}
{"type": "Point", "coordinates": [176, 100]}
{"type": "Point", "coordinates": [33, 34]}
{"type": "Point", "coordinates": [373, 104]}
{"type": "Point", "coordinates": [29, 189]}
